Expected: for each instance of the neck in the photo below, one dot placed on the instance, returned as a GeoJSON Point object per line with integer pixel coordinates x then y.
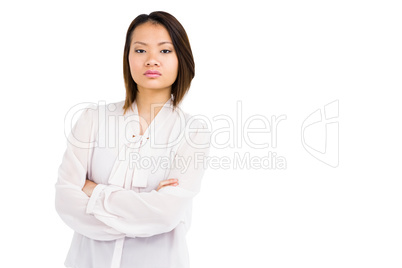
{"type": "Point", "coordinates": [146, 98]}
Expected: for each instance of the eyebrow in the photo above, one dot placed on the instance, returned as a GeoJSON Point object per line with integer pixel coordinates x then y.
{"type": "Point", "coordinates": [159, 44]}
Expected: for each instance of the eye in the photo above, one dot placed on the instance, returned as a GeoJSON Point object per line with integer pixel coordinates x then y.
{"type": "Point", "coordinates": [139, 51]}
{"type": "Point", "coordinates": [165, 51]}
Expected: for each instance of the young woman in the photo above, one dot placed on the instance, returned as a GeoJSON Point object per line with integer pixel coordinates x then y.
{"type": "Point", "coordinates": [131, 168]}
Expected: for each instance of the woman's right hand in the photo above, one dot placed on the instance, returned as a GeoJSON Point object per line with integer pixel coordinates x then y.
{"type": "Point", "coordinates": [168, 182]}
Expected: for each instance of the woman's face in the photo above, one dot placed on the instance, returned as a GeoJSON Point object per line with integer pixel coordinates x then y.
{"type": "Point", "coordinates": [152, 58]}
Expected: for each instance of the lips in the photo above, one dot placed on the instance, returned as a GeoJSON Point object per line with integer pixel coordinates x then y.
{"type": "Point", "coordinates": [152, 73]}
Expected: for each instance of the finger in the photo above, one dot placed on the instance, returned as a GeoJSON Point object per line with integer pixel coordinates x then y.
{"type": "Point", "coordinates": [172, 180]}
{"type": "Point", "coordinates": [166, 183]}
{"type": "Point", "coordinates": [169, 183]}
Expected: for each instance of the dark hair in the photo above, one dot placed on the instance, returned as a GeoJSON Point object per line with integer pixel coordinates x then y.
{"type": "Point", "coordinates": [181, 44]}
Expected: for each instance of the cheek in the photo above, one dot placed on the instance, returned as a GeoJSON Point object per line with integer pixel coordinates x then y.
{"type": "Point", "coordinates": [174, 67]}
{"type": "Point", "coordinates": [134, 67]}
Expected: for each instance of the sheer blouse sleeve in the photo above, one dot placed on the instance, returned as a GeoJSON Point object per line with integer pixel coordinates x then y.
{"type": "Point", "coordinates": [71, 202]}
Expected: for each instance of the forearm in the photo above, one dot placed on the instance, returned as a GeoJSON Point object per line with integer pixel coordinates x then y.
{"type": "Point", "coordinates": [71, 204]}
{"type": "Point", "coordinates": [139, 214]}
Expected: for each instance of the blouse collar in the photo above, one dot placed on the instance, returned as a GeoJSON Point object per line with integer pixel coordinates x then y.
{"type": "Point", "coordinates": [157, 122]}
{"type": "Point", "coordinates": [139, 177]}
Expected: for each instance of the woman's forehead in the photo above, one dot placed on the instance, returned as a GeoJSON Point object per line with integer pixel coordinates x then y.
{"type": "Point", "coordinates": [151, 34]}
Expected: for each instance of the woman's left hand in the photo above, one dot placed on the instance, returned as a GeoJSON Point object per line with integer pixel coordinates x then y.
{"type": "Point", "coordinates": [168, 182]}
{"type": "Point", "coordinates": [89, 187]}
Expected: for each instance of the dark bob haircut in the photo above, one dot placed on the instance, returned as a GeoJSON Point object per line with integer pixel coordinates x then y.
{"type": "Point", "coordinates": [181, 44]}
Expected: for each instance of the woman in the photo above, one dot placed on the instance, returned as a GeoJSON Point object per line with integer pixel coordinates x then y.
{"type": "Point", "coordinates": [124, 211]}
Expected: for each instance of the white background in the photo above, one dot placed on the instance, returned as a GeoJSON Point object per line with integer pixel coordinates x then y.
{"type": "Point", "coordinates": [276, 57]}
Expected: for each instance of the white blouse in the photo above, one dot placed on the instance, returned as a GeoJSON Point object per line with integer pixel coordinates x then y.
{"type": "Point", "coordinates": [126, 222]}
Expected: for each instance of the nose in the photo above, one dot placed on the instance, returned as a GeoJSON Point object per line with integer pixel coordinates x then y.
{"type": "Point", "coordinates": [152, 60]}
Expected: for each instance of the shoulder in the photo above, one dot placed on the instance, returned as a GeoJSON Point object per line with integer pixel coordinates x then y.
{"type": "Point", "coordinates": [189, 120]}
{"type": "Point", "coordinates": [196, 121]}
{"type": "Point", "coordinates": [93, 113]}
{"type": "Point", "coordinates": [113, 108]}
{"type": "Point", "coordinates": [118, 107]}
{"type": "Point", "coordinates": [87, 111]}
{"type": "Point", "coordinates": [197, 130]}
{"type": "Point", "coordinates": [102, 110]}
